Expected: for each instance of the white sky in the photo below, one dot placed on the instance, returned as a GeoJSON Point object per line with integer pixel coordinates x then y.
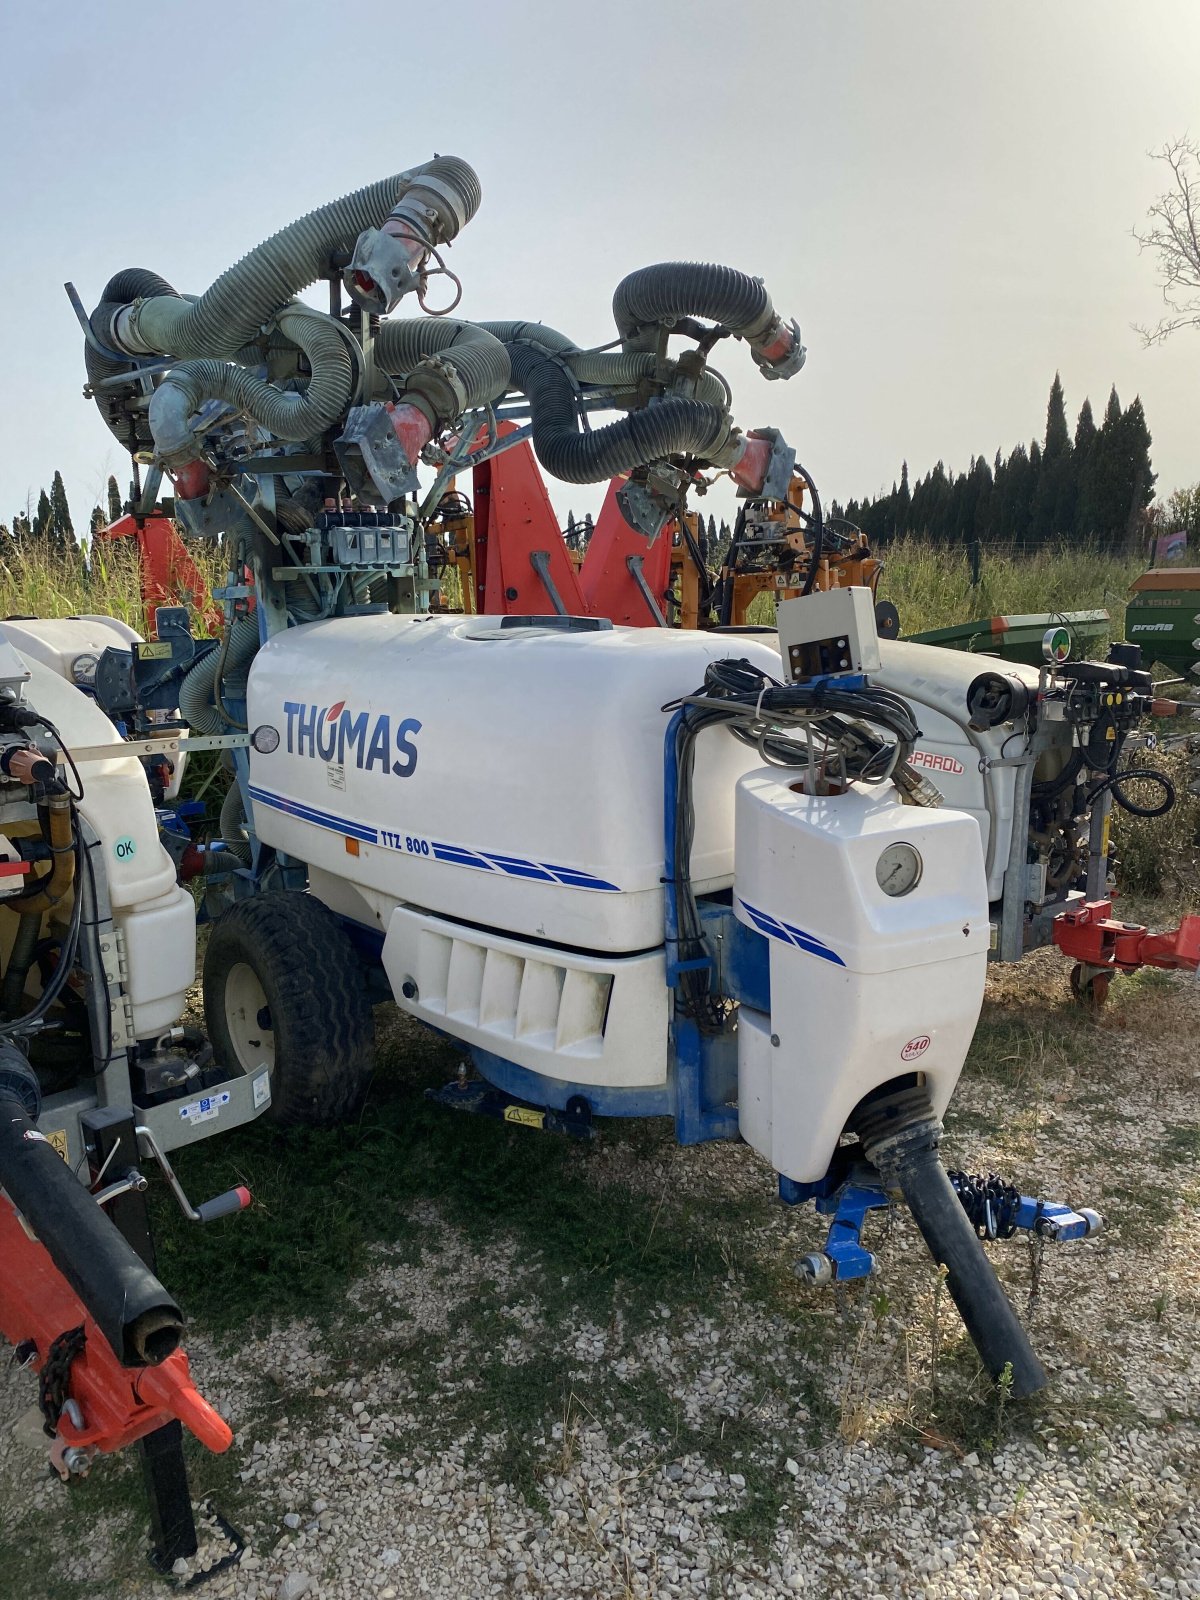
{"type": "Point", "coordinates": [941, 193]}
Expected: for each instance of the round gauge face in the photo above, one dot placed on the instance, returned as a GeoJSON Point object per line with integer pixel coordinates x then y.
{"type": "Point", "coordinates": [265, 739]}
{"type": "Point", "coordinates": [898, 870]}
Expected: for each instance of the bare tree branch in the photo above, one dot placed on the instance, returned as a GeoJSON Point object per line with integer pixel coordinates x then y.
{"type": "Point", "coordinates": [1174, 237]}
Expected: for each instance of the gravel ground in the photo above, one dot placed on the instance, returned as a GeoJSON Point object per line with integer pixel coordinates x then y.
{"type": "Point", "coordinates": [881, 1477]}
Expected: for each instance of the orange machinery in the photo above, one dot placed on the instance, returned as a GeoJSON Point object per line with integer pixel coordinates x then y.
{"type": "Point", "coordinates": [510, 557]}
{"type": "Point", "coordinates": [169, 576]}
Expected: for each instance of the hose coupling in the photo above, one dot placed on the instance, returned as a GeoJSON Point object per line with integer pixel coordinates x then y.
{"type": "Point", "coordinates": [781, 354]}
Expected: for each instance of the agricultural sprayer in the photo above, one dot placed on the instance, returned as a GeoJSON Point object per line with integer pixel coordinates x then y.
{"type": "Point", "coordinates": [704, 875]}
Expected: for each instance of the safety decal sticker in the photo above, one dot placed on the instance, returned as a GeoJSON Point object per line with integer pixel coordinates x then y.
{"type": "Point", "coordinates": [262, 1089]}
{"type": "Point", "coordinates": [204, 1110]}
{"type": "Point", "coordinates": [915, 1047]}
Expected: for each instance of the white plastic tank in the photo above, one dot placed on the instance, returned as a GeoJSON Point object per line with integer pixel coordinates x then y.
{"type": "Point", "coordinates": [876, 919]}
{"type": "Point", "coordinates": [156, 916]}
{"type": "Point", "coordinates": [512, 778]}
{"type": "Point", "coordinates": [935, 683]}
{"type": "Point", "coordinates": [72, 647]}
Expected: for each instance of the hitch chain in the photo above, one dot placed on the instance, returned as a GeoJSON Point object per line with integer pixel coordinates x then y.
{"type": "Point", "coordinates": [1037, 1260]}
{"type": "Point", "coordinates": [55, 1376]}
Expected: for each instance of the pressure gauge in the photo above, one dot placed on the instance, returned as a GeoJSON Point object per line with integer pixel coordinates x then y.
{"type": "Point", "coordinates": [898, 870]}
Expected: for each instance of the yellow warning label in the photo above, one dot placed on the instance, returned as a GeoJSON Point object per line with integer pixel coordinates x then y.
{"type": "Point", "coordinates": [58, 1138]}
{"type": "Point", "coordinates": [526, 1116]}
{"type": "Point", "coordinates": [153, 650]}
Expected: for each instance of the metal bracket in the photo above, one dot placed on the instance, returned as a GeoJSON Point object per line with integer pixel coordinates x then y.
{"type": "Point", "coordinates": [844, 1257]}
{"type": "Point", "coordinates": [167, 744]}
{"type": "Point", "coordinates": [121, 1009]}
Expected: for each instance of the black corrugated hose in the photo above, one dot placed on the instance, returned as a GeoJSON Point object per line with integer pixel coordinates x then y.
{"type": "Point", "coordinates": [697, 289]}
{"type": "Point", "coordinates": [670, 427]}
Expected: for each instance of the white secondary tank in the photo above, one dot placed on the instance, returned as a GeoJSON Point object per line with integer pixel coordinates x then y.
{"type": "Point", "coordinates": [507, 777]}
{"type": "Point", "coordinates": [935, 683]}
{"type": "Point", "coordinates": [155, 915]}
{"type": "Point", "coordinates": [876, 918]}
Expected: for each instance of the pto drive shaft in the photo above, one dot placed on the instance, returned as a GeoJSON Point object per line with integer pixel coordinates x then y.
{"type": "Point", "coordinates": [904, 1148]}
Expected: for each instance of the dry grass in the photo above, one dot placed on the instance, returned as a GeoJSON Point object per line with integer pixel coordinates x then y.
{"type": "Point", "coordinates": [930, 584]}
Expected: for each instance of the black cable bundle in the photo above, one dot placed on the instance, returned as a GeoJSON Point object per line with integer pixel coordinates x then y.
{"type": "Point", "coordinates": [835, 723]}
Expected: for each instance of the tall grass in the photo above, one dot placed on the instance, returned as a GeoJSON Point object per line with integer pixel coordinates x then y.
{"type": "Point", "coordinates": [930, 584]}
{"type": "Point", "coordinates": [39, 581]}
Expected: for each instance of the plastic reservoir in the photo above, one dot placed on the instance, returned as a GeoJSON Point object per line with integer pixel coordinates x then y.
{"type": "Point", "coordinates": [511, 777]}
{"type": "Point", "coordinates": [866, 987]}
{"type": "Point", "coordinates": [156, 916]}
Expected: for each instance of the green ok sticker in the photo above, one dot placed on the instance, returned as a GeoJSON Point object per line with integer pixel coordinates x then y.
{"type": "Point", "coordinates": [125, 848]}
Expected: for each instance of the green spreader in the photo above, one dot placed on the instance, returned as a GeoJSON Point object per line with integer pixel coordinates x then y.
{"type": "Point", "coordinates": [1163, 616]}
{"type": "Point", "coordinates": [1021, 638]}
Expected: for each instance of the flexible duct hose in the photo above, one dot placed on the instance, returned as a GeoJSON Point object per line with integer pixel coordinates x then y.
{"type": "Point", "coordinates": [536, 333]}
{"type": "Point", "coordinates": [20, 961]}
{"type": "Point", "coordinates": [286, 415]}
{"type": "Point", "coordinates": [196, 692]}
{"type": "Point", "coordinates": [423, 349]}
{"type": "Point", "coordinates": [667, 428]}
{"type": "Point", "coordinates": [693, 289]}
{"type": "Point", "coordinates": [131, 429]}
{"type": "Point", "coordinates": [617, 370]}
{"type": "Point", "coordinates": [252, 291]}
{"type": "Point", "coordinates": [233, 824]}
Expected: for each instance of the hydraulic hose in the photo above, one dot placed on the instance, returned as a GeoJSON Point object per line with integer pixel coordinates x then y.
{"type": "Point", "coordinates": [54, 885]}
{"type": "Point", "coordinates": [197, 691]}
{"type": "Point", "coordinates": [20, 961]}
{"type": "Point", "coordinates": [655, 295]}
{"type": "Point", "coordinates": [907, 1158]}
{"type": "Point", "coordinates": [670, 427]}
{"type": "Point", "coordinates": [131, 1308]}
{"type": "Point", "coordinates": [450, 367]}
{"type": "Point", "coordinates": [232, 312]}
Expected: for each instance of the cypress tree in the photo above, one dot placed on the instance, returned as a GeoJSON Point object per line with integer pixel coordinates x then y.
{"type": "Point", "coordinates": [1054, 500]}
{"type": "Point", "coordinates": [1108, 491]}
{"type": "Point", "coordinates": [114, 499]}
{"type": "Point", "coordinates": [1136, 441]}
{"type": "Point", "coordinates": [42, 516]}
{"type": "Point", "coordinates": [62, 531]}
{"type": "Point", "coordinates": [1058, 440]}
{"type": "Point", "coordinates": [1085, 448]}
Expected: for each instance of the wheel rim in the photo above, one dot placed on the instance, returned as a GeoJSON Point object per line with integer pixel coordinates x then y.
{"type": "Point", "coordinates": [248, 1019]}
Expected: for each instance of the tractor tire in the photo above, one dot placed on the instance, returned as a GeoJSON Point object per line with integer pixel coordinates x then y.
{"type": "Point", "coordinates": [284, 989]}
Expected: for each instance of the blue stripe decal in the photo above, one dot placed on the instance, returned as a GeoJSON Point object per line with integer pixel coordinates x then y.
{"type": "Point", "coordinates": [321, 819]}
{"type": "Point", "coordinates": [454, 855]}
{"type": "Point", "coordinates": [787, 934]}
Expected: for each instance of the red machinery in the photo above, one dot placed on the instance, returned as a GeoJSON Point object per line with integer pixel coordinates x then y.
{"type": "Point", "coordinates": [169, 575]}
{"type": "Point", "coordinates": [1103, 946]}
{"type": "Point", "coordinates": [512, 558]}
{"type": "Point", "coordinates": [107, 1405]}
{"type": "Point", "coordinates": [83, 1308]}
